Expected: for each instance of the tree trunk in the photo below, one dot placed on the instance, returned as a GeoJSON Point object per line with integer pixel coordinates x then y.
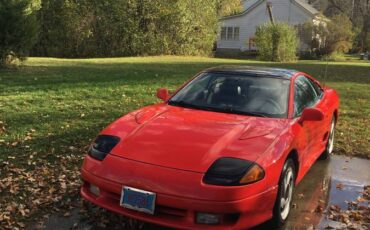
{"type": "Point", "coordinates": [364, 33]}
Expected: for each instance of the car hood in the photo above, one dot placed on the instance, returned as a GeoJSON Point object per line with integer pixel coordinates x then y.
{"type": "Point", "coordinates": [189, 139]}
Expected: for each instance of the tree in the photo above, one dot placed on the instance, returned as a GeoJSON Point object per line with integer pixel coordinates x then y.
{"type": "Point", "coordinates": [276, 42]}
{"type": "Point", "coordinates": [18, 29]}
{"type": "Point", "coordinates": [228, 7]}
{"type": "Point", "coordinates": [358, 12]}
{"type": "Point", "coordinates": [314, 35]}
{"type": "Point", "coordinates": [93, 28]}
{"type": "Point", "coordinates": [340, 35]}
{"type": "Point", "coordinates": [329, 35]}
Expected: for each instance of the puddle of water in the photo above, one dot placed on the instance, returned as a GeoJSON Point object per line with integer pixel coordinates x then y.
{"type": "Point", "coordinates": [348, 178]}
{"type": "Point", "coordinates": [312, 192]}
{"type": "Point", "coordinates": [317, 191]}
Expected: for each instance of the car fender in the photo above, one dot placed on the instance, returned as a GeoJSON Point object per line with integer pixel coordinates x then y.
{"type": "Point", "coordinates": [273, 159]}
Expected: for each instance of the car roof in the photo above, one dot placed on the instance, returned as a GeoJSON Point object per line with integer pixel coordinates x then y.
{"type": "Point", "coordinates": [253, 70]}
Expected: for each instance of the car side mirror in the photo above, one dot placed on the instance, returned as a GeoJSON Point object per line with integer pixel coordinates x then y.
{"type": "Point", "coordinates": [311, 114]}
{"type": "Point", "coordinates": [163, 94]}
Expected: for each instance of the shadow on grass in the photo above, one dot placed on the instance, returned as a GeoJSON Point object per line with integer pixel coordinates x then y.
{"type": "Point", "coordinates": [70, 76]}
{"type": "Point", "coordinates": [51, 147]}
{"type": "Point", "coordinates": [105, 90]}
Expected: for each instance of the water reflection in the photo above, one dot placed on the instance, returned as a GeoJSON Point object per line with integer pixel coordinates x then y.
{"type": "Point", "coordinates": [310, 199]}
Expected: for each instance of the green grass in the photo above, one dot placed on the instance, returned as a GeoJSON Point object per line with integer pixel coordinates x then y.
{"type": "Point", "coordinates": [51, 109]}
{"type": "Point", "coordinates": [67, 102]}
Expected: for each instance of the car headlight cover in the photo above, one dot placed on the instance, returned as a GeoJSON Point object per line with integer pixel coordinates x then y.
{"type": "Point", "coordinates": [254, 173]}
{"type": "Point", "coordinates": [102, 145]}
{"type": "Point", "coordinates": [229, 171]}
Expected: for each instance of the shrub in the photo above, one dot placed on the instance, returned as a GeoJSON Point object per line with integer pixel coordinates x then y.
{"type": "Point", "coordinates": [18, 30]}
{"type": "Point", "coordinates": [334, 56]}
{"type": "Point", "coordinates": [276, 42]}
{"type": "Point", "coordinates": [330, 38]}
{"type": "Point", "coordinates": [314, 35]}
{"type": "Point", "coordinates": [340, 35]}
{"type": "Point", "coordinates": [95, 28]}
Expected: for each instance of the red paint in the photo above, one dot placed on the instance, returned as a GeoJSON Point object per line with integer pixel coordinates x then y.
{"type": "Point", "coordinates": [167, 149]}
{"type": "Point", "coordinates": [163, 94]}
{"type": "Point", "coordinates": [312, 114]}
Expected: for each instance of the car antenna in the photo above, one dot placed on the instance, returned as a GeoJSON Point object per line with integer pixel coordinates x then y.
{"type": "Point", "coordinates": [326, 70]}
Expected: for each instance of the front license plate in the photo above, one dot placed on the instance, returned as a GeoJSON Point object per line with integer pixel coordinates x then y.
{"type": "Point", "coordinates": [137, 199]}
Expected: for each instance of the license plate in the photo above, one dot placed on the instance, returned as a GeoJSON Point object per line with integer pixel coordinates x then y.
{"type": "Point", "coordinates": [137, 199]}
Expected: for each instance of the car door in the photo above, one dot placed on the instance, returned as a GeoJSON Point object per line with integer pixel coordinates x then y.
{"type": "Point", "coordinates": [309, 132]}
{"type": "Point", "coordinates": [322, 131]}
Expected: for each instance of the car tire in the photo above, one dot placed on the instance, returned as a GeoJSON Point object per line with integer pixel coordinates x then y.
{"type": "Point", "coordinates": [285, 194]}
{"type": "Point", "coordinates": [330, 143]}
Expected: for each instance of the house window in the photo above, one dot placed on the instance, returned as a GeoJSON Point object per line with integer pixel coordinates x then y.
{"type": "Point", "coordinates": [230, 33]}
{"type": "Point", "coordinates": [223, 33]}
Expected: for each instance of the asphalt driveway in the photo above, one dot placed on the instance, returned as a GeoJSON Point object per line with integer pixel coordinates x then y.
{"type": "Point", "coordinates": [333, 195]}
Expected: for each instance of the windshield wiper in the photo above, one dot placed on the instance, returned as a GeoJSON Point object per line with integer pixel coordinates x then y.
{"type": "Point", "coordinates": [248, 113]}
{"type": "Point", "coordinates": [182, 104]}
{"type": "Point", "coordinates": [227, 109]}
{"type": "Point", "coordinates": [255, 114]}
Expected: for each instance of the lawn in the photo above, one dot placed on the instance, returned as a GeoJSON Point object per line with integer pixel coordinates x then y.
{"type": "Point", "coordinates": [51, 109]}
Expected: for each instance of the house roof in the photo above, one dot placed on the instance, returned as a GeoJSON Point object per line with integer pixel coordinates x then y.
{"type": "Point", "coordinates": [306, 6]}
{"type": "Point", "coordinates": [300, 3]}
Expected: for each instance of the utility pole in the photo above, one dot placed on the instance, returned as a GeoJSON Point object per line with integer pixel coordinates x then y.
{"type": "Point", "coordinates": [275, 36]}
{"type": "Point", "coordinates": [269, 9]}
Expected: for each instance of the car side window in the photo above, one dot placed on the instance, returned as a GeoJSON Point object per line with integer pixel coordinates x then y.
{"type": "Point", "coordinates": [304, 95]}
{"type": "Point", "coordinates": [317, 88]}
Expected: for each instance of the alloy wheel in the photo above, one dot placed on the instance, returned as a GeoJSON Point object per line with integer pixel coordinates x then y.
{"type": "Point", "coordinates": [331, 137]}
{"type": "Point", "coordinates": [287, 193]}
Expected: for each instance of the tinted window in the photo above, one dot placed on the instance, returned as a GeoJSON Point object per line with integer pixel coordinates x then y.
{"type": "Point", "coordinates": [304, 95]}
{"type": "Point", "coordinates": [316, 87]}
{"type": "Point", "coordinates": [239, 94]}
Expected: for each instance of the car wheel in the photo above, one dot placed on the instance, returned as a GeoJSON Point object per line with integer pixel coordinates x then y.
{"type": "Point", "coordinates": [330, 144]}
{"type": "Point", "coordinates": [285, 194]}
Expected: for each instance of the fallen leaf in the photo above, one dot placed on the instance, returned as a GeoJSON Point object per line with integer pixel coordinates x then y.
{"type": "Point", "coordinates": [319, 209]}
{"type": "Point", "coordinates": [335, 208]}
{"type": "Point", "coordinates": [63, 185]}
{"type": "Point", "coordinates": [340, 186]}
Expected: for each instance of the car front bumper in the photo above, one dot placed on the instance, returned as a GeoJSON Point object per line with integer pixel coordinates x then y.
{"type": "Point", "coordinates": [174, 209]}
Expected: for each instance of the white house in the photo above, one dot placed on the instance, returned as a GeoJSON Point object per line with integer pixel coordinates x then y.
{"type": "Point", "coordinates": [237, 31]}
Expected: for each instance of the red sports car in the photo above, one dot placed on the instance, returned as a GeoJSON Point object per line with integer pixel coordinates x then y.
{"type": "Point", "coordinates": [223, 152]}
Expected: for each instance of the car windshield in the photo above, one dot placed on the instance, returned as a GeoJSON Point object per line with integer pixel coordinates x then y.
{"type": "Point", "coordinates": [239, 94]}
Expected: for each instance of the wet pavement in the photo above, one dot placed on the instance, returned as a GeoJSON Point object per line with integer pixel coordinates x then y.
{"type": "Point", "coordinates": [331, 182]}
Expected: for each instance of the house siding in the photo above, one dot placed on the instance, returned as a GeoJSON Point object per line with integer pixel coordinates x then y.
{"type": "Point", "coordinates": [248, 3]}
{"type": "Point", "coordinates": [283, 11]}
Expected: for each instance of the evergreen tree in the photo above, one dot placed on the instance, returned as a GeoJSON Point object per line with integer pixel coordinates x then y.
{"type": "Point", "coordinates": [18, 29]}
